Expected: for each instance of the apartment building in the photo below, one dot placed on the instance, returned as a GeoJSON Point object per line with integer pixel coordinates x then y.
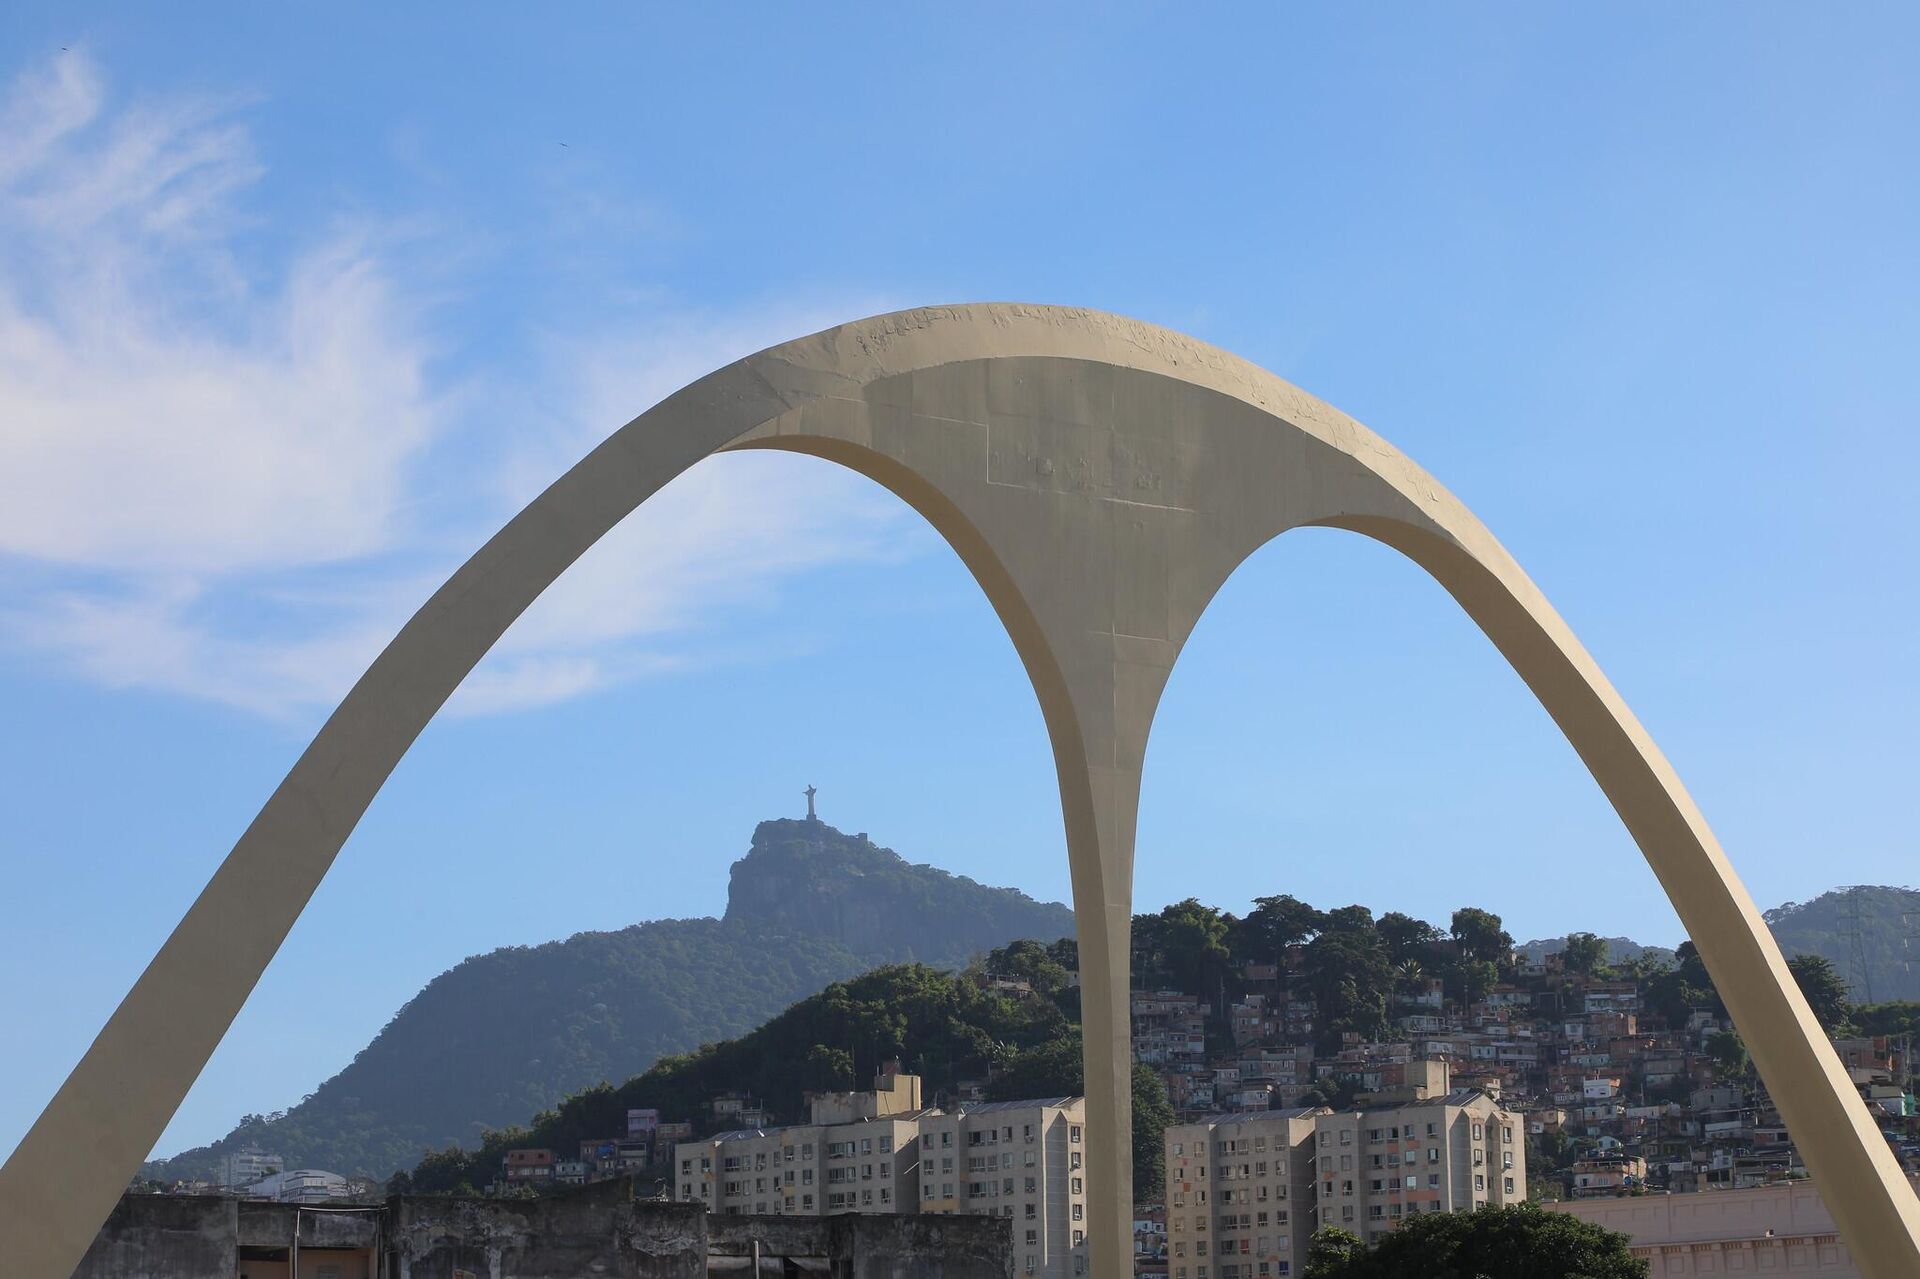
{"type": "Point", "coordinates": [882, 1152]}
{"type": "Point", "coordinates": [858, 1155]}
{"type": "Point", "coordinates": [1024, 1160]}
{"type": "Point", "coordinates": [1240, 1195]}
{"type": "Point", "coordinates": [1246, 1192]}
{"type": "Point", "coordinates": [1447, 1153]}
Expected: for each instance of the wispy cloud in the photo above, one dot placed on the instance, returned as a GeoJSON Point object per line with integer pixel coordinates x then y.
{"type": "Point", "coordinates": [216, 467]}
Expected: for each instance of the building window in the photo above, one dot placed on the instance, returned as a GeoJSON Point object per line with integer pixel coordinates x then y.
{"type": "Point", "coordinates": [1073, 1133]}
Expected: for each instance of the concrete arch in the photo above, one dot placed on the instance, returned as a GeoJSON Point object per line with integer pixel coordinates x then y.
{"type": "Point", "coordinates": [1101, 478]}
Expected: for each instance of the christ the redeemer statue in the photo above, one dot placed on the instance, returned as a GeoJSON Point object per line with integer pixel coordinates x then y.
{"type": "Point", "coordinates": [810, 792]}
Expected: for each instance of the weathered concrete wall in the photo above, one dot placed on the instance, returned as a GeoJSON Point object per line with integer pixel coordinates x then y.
{"type": "Point", "coordinates": [873, 1247]}
{"type": "Point", "coordinates": [270, 1225]}
{"type": "Point", "coordinates": [930, 1247]}
{"type": "Point", "coordinates": [163, 1237]}
{"type": "Point", "coordinates": [598, 1231]}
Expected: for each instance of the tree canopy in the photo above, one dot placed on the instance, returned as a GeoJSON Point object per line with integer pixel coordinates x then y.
{"type": "Point", "coordinates": [1825, 989]}
{"type": "Point", "coordinates": [1480, 935]}
{"type": "Point", "coordinates": [1585, 953]}
{"type": "Point", "coordinates": [1522, 1242]}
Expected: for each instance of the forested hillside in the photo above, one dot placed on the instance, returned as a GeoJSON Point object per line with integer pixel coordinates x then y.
{"type": "Point", "coordinates": [944, 1028]}
{"type": "Point", "coordinates": [504, 1035]}
{"type": "Point", "coordinates": [1887, 923]}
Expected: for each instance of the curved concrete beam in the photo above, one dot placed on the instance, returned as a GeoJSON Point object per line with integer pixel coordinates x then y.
{"type": "Point", "coordinates": [1101, 478]}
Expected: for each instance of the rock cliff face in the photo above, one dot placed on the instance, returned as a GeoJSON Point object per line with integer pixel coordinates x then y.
{"type": "Point", "coordinates": [504, 1035]}
{"type": "Point", "coordinates": [806, 878]}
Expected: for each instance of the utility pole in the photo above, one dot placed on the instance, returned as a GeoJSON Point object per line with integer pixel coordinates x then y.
{"type": "Point", "coordinates": [1859, 973]}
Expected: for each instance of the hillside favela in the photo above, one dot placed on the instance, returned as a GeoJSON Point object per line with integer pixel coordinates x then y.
{"type": "Point", "coordinates": [861, 1036]}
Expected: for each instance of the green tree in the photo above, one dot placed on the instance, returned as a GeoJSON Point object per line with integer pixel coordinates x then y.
{"type": "Point", "coordinates": [1152, 1113]}
{"type": "Point", "coordinates": [1030, 962]}
{"type": "Point", "coordinates": [1480, 935]}
{"type": "Point", "coordinates": [1895, 1017]}
{"type": "Point", "coordinates": [1409, 976]}
{"type": "Point", "coordinates": [1333, 1253]}
{"type": "Point", "coordinates": [1521, 1242]}
{"type": "Point", "coordinates": [827, 1069]}
{"type": "Point", "coordinates": [1684, 988]}
{"type": "Point", "coordinates": [1053, 1069]}
{"type": "Point", "coordinates": [1276, 923]}
{"type": "Point", "coordinates": [1469, 980]}
{"type": "Point", "coordinates": [1729, 1055]}
{"type": "Point", "coordinates": [1336, 1092]}
{"type": "Point", "coordinates": [1824, 988]}
{"type": "Point", "coordinates": [1407, 939]}
{"type": "Point", "coordinates": [1585, 953]}
{"type": "Point", "coordinates": [1349, 974]}
{"type": "Point", "coordinates": [1192, 943]}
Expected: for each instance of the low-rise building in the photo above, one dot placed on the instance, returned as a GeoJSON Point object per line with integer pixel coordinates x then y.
{"type": "Point", "coordinates": [1610, 1173]}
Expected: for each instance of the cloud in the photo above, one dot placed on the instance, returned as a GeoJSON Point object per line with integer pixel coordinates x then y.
{"type": "Point", "coordinates": [146, 430]}
{"type": "Point", "coordinates": [221, 470]}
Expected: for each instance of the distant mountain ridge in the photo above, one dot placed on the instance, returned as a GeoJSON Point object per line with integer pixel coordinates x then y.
{"type": "Point", "coordinates": [504, 1035]}
{"type": "Point", "coordinates": [1884, 966]}
{"type": "Point", "coordinates": [1887, 921]}
{"type": "Point", "coordinates": [1620, 950]}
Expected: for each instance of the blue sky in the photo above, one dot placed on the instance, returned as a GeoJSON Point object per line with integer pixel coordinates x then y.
{"type": "Point", "coordinates": [295, 309]}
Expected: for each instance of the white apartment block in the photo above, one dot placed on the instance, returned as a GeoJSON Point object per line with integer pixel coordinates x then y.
{"type": "Point", "coordinates": [881, 1152]}
{"type": "Point", "coordinates": [1246, 1192]}
{"type": "Point", "coordinates": [1024, 1160]}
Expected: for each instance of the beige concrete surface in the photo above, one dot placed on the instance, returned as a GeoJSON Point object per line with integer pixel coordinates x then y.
{"type": "Point", "coordinates": [1101, 478]}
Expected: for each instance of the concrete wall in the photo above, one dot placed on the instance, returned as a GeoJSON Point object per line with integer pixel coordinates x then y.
{"type": "Point", "coordinates": [868, 1246]}
{"type": "Point", "coordinates": [1764, 1230]}
{"type": "Point", "coordinates": [599, 1231]}
{"type": "Point", "coordinates": [163, 1237]}
{"type": "Point", "coordinates": [596, 1231]}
